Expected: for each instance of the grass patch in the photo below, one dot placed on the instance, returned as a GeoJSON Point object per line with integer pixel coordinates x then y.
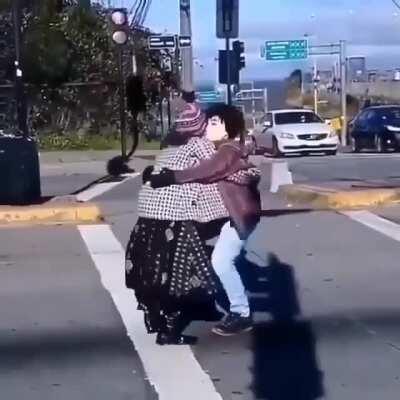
{"type": "Point", "coordinates": [74, 142]}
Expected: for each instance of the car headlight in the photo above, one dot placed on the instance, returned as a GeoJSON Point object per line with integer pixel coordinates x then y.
{"type": "Point", "coordinates": [285, 135]}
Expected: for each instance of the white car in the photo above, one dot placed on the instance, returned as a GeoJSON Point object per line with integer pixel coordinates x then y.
{"type": "Point", "coordinates": [283, 132]}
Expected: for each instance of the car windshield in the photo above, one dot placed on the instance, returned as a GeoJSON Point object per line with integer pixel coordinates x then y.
{"type": "Point", "coordinates": [296, 117]}
{"type": "Point", "coordinates": [390, 116]}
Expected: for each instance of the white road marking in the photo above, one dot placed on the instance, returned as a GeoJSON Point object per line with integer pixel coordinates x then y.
{"type": "Point", "coordinates": [101, 188]}
{"type": "Point", "coordinates": [280, 175]}
{"type": "Point", "coordinates": [355, 156]}
{"type": "Point", "coordinates": [352, 156]}
{"type": "Point", "coordinates": [379, 224]}
{"type": "Point", "coordinates": [173, 370]}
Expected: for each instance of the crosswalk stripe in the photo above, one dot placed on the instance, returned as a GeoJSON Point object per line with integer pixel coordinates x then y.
{"type": "Point", "coordinates": [379, 224]}
{"type": "Point", "coordinates": [172, 370]}
{"type": "Point", "coordinates": [101, 188]}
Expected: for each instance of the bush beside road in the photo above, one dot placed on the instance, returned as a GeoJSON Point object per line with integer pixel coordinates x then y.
{"type": "Point", "coordinates": [75, 142]}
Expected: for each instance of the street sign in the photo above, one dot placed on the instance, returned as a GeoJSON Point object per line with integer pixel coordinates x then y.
{"type": "Point", "coordinates": [209, 97]}
{"type": "Point", "coordinates": [184, 41]}
{"type": "Point", "coordinates": [157, 42]}
{"type": "Point", "coordinates": [227, 19]}
{"type": "Point", "coordinates": [286, 50]}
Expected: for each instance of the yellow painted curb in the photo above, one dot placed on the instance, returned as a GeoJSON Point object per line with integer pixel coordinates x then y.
{"type": "Point", "coordinates": [51, 213]}
{"type": "Point", "coordinates": [322, 198]}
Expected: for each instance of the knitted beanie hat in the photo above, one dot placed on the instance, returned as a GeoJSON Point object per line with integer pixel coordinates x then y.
{"type": "Point", "coordinates": [191, 121]}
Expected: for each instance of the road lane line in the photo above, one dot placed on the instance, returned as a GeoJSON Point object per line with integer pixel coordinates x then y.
{"type": "Point", "coordinates": [101, 188]}
{"type": "Point", "coordinates": [280, 175]}
{"type": "Point", "coordinates": [379, 224]}
{"type": "Point", "coordinates": [172, 370]}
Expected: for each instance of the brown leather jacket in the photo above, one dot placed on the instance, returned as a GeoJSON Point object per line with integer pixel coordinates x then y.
{"type": "Point", "coordinates": [241, 198]}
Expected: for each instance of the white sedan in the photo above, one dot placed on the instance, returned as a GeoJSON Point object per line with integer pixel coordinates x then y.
{"type": "Point", "coordinates": [283, 132]}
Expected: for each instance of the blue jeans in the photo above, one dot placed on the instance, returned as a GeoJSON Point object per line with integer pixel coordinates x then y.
{"type": "Point", "coordinates": [226, 250]}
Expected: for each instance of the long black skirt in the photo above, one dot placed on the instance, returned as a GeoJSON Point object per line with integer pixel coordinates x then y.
{"type": "Point", "coordinates": [169, 269]}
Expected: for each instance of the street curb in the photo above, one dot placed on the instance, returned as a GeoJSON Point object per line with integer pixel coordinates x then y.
{"type": "Point", "coordinates": [328, 198]}
{"type": "Point", "coordinates": [54, 213]}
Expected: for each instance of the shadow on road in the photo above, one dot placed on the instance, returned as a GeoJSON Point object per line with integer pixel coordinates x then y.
{"type": "Point", "coordinates": [285, 365]}
{"type": "Point", "coordinates": [279, 212]}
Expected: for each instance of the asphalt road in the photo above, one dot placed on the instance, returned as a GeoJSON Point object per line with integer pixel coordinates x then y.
{"type": "Point", "coordinates": [351, 167]}
{"type": "Point", "coordinates": [61, 178]}
{"type": "Point", "coordinates": [326, 306]}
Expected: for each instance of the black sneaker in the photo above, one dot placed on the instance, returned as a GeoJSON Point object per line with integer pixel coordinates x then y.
{"type": "Point", "coordinates": [233, 324]}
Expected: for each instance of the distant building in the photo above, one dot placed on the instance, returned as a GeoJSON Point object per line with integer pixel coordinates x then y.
{"type": "Point", "coordinates": [356, 69]}
{"type": "Point", "coordinates": [385, 76]}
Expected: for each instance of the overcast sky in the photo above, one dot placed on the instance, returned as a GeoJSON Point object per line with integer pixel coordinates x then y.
{"type": "Point", "coordinates": [371, 27]}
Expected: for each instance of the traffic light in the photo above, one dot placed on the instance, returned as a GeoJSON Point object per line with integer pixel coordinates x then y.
{"type": "Point", "coordinates": [119, 26]}
{"type": "Point", "coordinates": [223, 67]}
{"type": "Point", "coordinates": [238, 50]}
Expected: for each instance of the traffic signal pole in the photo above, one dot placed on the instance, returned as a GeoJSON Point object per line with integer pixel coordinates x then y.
{"type": "Point", "coordinates": [120, 32]}
{"type": "Point", "coordinates": [187, 84]}
{"type": "Point", "coordinates": [122, 111]}
{"type": "Point", "coordinates": [337, 49]}
{"type": "Point", "coordinates": [228, 72]}
{"type": "Point", "coordinates": [343, 92]}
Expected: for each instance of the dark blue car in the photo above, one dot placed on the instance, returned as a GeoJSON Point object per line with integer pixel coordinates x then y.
{"type": "Point", "coordinates": [376, 128]}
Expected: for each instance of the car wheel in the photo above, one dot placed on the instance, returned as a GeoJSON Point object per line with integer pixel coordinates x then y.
{"type": "Point", "coordinates": [355, 148]}
{"type": "Point", "coordinates": [379, 145]}
{"type": "Point", "coordinates": [275, 148]}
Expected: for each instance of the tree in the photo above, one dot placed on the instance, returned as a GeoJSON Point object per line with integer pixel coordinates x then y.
{"type": "Point", "coordinates": [65, 45]}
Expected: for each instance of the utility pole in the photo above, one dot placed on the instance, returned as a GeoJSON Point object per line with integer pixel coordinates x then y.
{"type": "Point", "coordinates": [343, 83]}
{"type": "Point", "coordinates": [315, 84]}
{"type": "Point", "coordinates": [187, 52]}
{"type": "Point", "coordinates": [19, 84]}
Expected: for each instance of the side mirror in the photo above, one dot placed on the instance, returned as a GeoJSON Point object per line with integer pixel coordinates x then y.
{"type": "Point", "coordinates": [328, 122]}
{"type": "Point", "coordinates": [267, 124]}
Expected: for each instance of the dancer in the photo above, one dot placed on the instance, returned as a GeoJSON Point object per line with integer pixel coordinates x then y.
{"type": "Point", "coordinates": [241, 200]}
{"type": "Point", "coordinates": [167, 264]}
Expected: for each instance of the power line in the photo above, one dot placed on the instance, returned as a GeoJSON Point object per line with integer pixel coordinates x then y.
{"type": "Point", "coordinates": [396, 4]}
{"type": "Point", "coordinates": [139, 10]}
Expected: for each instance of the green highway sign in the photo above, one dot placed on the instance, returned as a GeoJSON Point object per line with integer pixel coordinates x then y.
{"type": "Point", "coordinates": [286, 50]}
{"type": "Point", "coordinates": [209, 97]}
